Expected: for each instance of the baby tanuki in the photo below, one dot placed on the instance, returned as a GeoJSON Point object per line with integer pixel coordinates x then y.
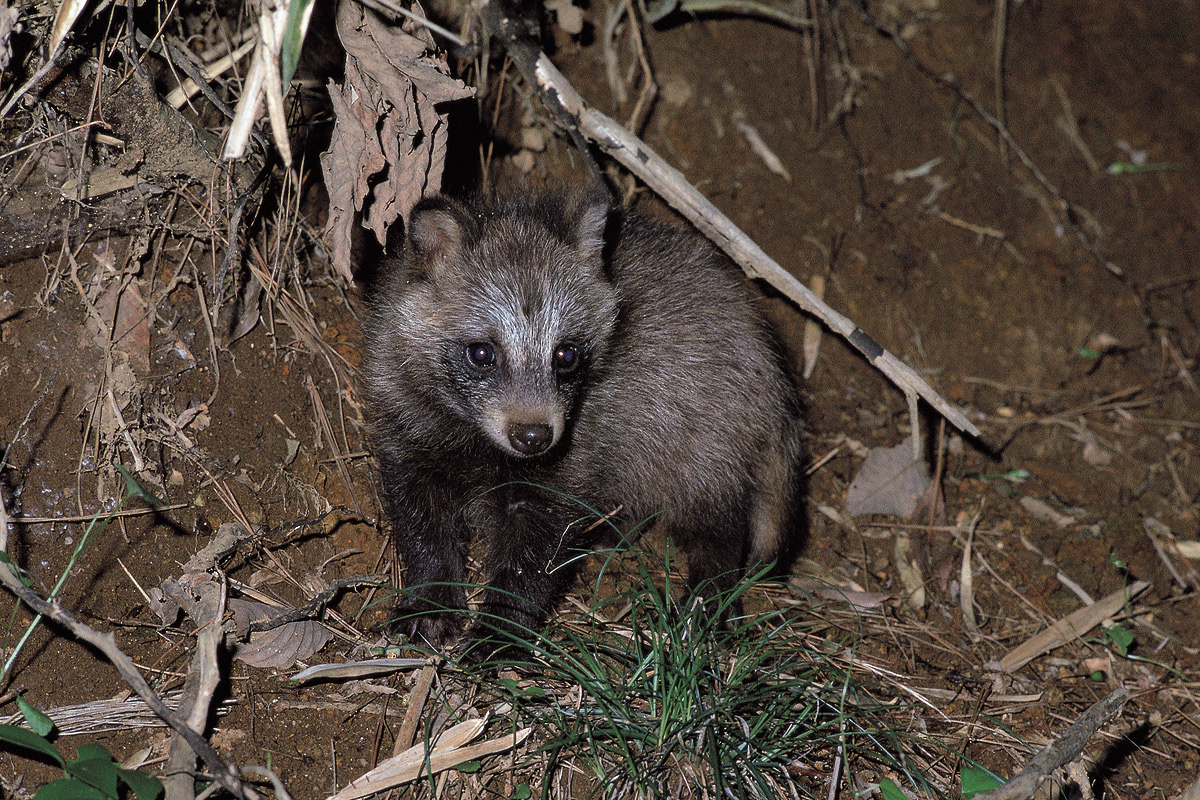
{"type": "Point", "coordinates": [537, 359]}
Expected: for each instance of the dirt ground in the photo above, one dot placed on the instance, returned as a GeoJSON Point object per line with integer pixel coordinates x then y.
{"type": "Point", "coordinates": [1081, 371]}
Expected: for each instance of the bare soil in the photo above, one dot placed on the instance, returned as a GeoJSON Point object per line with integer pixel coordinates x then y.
{"type": "Point", "coordinates": [1080, 371]}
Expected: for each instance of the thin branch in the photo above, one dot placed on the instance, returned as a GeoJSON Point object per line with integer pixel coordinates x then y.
{"type": "Point", "coordinates": [315, 608]}
{"type": "Point", "coordinates": [1062, 750]}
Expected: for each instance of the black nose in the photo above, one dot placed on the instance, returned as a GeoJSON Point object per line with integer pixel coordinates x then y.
{"type": "Point", "coordinates": [530, 440]}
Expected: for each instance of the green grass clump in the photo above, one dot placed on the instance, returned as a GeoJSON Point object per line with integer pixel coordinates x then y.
{"type": "Point", "coordinates": [670, 703]}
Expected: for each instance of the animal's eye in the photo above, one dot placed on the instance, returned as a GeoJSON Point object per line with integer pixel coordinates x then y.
{"type": "Point", "coordinates": [566, 358]}
{"type": "Point", "coordinates": [481, 354]}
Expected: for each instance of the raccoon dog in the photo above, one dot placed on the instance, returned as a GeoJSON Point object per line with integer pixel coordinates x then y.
{"type": "Point", "coordinates": [537, 359]}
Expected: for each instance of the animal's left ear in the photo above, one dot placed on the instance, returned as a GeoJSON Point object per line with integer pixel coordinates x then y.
{"type": "Point", "coordinates": [591, 225]}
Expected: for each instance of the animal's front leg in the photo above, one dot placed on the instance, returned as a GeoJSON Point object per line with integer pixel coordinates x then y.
{"type": "Point", "coordinates": [431, 537]}
{"type": "Point", "coordinates": [530, 564]}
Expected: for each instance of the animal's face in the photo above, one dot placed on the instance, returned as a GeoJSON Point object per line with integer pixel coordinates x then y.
{"type": "Point", "coordinates": [519, 315]}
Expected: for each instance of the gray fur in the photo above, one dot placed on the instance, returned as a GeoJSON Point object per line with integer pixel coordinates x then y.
{"type": "Point", "coordinates": [681, 409]}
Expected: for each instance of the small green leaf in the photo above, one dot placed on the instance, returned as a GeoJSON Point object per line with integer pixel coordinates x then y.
{"type": "Point", "coordinates": [71, 789]}
{"type": "Point", "coordinates": [88, 752]}
{"type": "Point", "coordinates": [521, 792]}
{"type": "Point", "coordinates": [1121, 638]}
{"type": "Point", "coordinates": [134, 489]}
{"type": "Point", "coordinates": [39, 722]}
{"type": "Point", "coordinates": [1129, 168]}
{"type": "Point", "coordinates": [1015, 475]}
{"type": "Point", "coordinates": [144, 786]}
{"type": "Point", "coordinates": [470, 766]}
{"type": "Point", "coordinates": [977, 780]}
{"type": "Point", "coordinates": [95, 767]}
{"type": "Point", "coordinates": [11, 567]}
{"type": "Point", "coordinates": [28, 740]}
{"type": "Point", "coordinates": [1087, 352]}
{"type": "Point", "coordinates": [890, 790]}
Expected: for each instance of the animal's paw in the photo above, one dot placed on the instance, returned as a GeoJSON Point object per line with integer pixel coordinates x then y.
{"type": "Point", "coordinates": [428, 621]}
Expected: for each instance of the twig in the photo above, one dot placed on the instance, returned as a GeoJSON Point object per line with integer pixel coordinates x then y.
{"type": "Point", "coordinates": [1069, 126]}
{"type": "Point", "coordinates": [185, 61]}
{"type": "Point", "coordinates": [128, 512]}
{"type": "Point", "coordinates": [1062, 750]}
{"type": "Point", "coordinates": [233, 246]}
{"type": "Point", "coordinates": [733, 7]}
{"type": "Point", "coordinates": [196, 700]}
{"type": "Point", "coordinates": [396, 8]}
{"type": "Point", "coordinates": [36, 80]}
{"type": "Point", "coordinates": [649, 87]}
{"type": "Point", "coordinates": [416, 703]}
{"type": "Point", "coordinates": [612, 65]}
{"type": "Point", "coordinates": [106, 644]}
{"type": "Point", "coordinates": [571, 111]}
{"type": "Point", "coordinates": [1000, 36]}
{"type": "Point", "coordinates": [313, 609]}
{"type": "Point", "coordinates": [978, 230]}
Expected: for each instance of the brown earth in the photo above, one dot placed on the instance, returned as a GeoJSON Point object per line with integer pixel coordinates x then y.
{"type": "Point", "coordinates": [1082, 373]}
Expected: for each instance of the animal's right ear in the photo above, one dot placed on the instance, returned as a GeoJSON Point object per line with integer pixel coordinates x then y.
{"type": "Point", "coordinates": [435, 234]}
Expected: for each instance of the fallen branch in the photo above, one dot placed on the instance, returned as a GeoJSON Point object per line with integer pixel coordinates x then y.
{"type": "Point", "coordinates": [106, 644]}
{"type": "Point", "coordinates": [1062, 750]}
{"type": "Point", "coordinates": [199, 687]}
{"type": "Point", "coordinates": [314, 609]}
{"type": "Point", "coordinates": [572, 112]}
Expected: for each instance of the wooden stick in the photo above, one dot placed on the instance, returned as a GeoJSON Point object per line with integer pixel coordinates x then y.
{"type": "Point", "coordinates": [107, 644]}
{"type": "Point", "coordinates": [1062, 750]}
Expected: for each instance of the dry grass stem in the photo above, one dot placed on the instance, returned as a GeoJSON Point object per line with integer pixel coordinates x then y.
{"type": "Point", "coordinates": [1071, 627]}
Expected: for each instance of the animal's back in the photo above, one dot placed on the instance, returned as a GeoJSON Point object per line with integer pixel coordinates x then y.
{"type": "Point", "coordinates": [695, 411]}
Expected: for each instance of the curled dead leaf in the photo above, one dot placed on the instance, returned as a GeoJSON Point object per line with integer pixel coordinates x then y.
{"type": "Point", "coordinates": [389, 142]}
{"type": "Point", "coordinates": [277, 648]}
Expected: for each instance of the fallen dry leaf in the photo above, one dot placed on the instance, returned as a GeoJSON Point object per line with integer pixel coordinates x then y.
{"type": "Point", "coordinates": [449, 751]}
{"type": "Point", "coordinates": [1070, 627]}
{"type": "Point", "coordinates": [280, 647]}
{"type": "Point", "coordinates": [1039, 509]}
{"type": "Point", "coordinates": [125, 309]}
{"type": "Point", "coordinates": [890, 481]}
{"type": "Point", "coordinates": [389, 142]}
{"type": "Point", "coordinates": [910, 572]}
